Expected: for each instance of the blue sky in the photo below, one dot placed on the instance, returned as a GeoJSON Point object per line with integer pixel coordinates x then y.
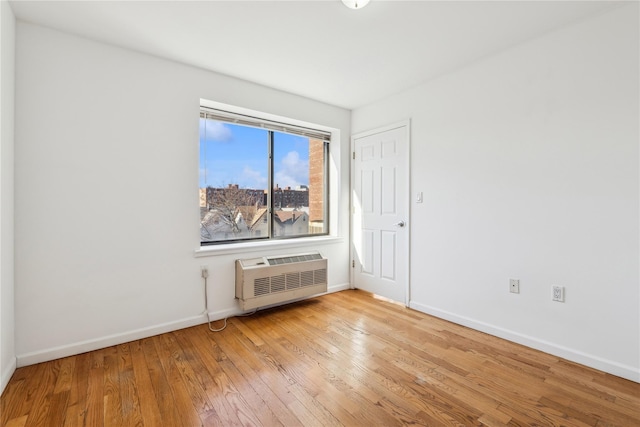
{"type": "Point", "coordinates": [232, 154]}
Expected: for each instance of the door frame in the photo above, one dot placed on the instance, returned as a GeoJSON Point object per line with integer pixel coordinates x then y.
{"type": "Point", "coordinates": [407, 264]}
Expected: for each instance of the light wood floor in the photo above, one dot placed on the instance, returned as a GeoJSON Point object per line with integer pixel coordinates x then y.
{"type": "Point", "coordinates": [342, 359]}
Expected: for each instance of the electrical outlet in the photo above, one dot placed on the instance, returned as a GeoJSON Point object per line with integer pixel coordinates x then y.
{"type": "Point", "coordinates": [558, 293]}
{"type": "Point", "coordinates": [204, 272]}
{"type": "Point", "coordinates": [514, 286]}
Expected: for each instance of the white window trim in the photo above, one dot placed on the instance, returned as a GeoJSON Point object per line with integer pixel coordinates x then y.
{"type": "Point", "coordinates": [334, 190]}
{"type": "Point", "coordinates": [261, 245]}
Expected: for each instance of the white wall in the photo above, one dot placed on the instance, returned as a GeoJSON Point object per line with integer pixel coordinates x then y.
{"type": "Point", "coordinates": [106, 193]}
{"type": "Point", "coordinates": [7, 64]}
{"type": "Point", "coordinates": [528, 161]}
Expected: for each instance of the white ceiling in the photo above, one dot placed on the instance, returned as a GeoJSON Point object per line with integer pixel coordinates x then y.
{"type": "Point", "coordinates": [317, 49]}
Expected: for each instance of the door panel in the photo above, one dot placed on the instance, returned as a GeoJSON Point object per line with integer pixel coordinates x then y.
{"type": "Point", "coordinates": [388, 258]}
{"type": "Point", "coordinates": [368, 245]}
{"type": "Point", "coordinates": [380, 212]}
{"type": "Point", "coordinates": [388, 192]}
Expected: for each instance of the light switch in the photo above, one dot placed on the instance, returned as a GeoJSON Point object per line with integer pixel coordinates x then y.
{"type": "Point", "coordinates": [419, 197]}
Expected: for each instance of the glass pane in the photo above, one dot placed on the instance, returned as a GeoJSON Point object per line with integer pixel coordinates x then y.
{"type": "Point", "coordinates": [233, 181]}
{"type": "Point", "coordinates": [299, 185]}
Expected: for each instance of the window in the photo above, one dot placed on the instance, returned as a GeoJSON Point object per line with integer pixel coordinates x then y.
{"type": "Point", "coordinates": [261, 179]}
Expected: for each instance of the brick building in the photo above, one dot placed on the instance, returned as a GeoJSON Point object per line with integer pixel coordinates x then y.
{"type": "Point", "coordinates": [316, 186]}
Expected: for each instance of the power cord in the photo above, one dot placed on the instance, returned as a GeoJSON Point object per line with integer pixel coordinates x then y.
{"type": "Point", "coordinates": [205, 274]}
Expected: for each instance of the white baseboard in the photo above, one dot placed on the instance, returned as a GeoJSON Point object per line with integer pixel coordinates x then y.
{"type": "Point", "coordinates": [609, 366]}
{"type": "Point", "coordinates": [115, 339]}
{"type": "Point", "coordinates": [338, 288]}
{"type": "Point", "coordinates": [106, 341]}
{"type": "Point", "coordinates": [7, 373]}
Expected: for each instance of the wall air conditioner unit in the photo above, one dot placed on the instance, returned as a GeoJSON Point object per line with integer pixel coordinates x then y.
{"type": "Point", "coordinates": [275, 279]}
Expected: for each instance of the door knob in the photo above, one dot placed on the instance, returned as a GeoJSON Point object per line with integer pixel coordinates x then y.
{"type": "Point", "coordinates": [400, 224]}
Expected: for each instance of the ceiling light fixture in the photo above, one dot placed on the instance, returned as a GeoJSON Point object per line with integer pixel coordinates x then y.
{"type": "Point", "coordinates": [355, 4]}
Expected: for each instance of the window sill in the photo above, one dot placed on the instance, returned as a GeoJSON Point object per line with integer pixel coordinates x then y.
{"type": "Point", "coordinates": [237, 248]}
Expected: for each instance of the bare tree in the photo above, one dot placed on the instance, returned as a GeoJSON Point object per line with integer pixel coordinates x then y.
{"type": "Point", "coordinates": [227, 206]}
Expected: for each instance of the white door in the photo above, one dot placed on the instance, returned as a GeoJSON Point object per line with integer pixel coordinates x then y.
{"type": "Point", "coordinates": [380, 252]}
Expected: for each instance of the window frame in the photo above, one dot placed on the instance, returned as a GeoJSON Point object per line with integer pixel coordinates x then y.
{"type": "Point", "coordinates": [273, 123]}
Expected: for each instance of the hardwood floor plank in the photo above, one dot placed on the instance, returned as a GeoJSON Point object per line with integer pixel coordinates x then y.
{"type": "Point", "coordinates": [149, 410]}
{"type": "Point", "coordinates": [269, 371]}
{"type": "Point", "coordinates": [163, 393]}
{"type": "Point", "coordinates": [343, 359]}
{"type": "Point", "coordinates": [42, 396]}
{"type": "Point", "coordinates": [183, 363]}
{"type": "Point", "coordinates": [593, 409]}
{"type": "Point", "coordinates": [492, 421]}
{"type": "Point", "coordinates": [322, 416]}
{"type": "Point", "coordinates": [265, 413]}
{"type": "Point", "coordinates": [76, 412]}
{"type": "Point", "coordinates": [363, 369]}
{"type": "Point", "coordinates": [112, 415]}
{"type": "Point", "coordinates": [74, 416]}
{"type": "Point", "coordinates": [391, 374]}
{"type": "Point", "coordinates": [208, 366]}
{"type": "Point", "coordinates": [289, 358]}
{"type": "Point", "coordinates": [95, 389]}
{"type": "Point", "coordinates": [186, 413]}
{"type": "Point", "coordinates": [16, 422]}
{"type": "Point", "coordinates": [428, 376]}
{"type": "Point", "coordinates": [24, 385]}
{"type": "Point", "coordinates": [65, 375]}
{"type": "Point", "coordinates": [129, 399]}
{"type": "Point", "coordinates": [242, 372]}
{"type": "Point", "coordinates": [219, 388]}
{"type": "Point", "coordinates": [236, 401]}
{"type": "Point", "coordinates": [57, 409]}
{"type": "Point", "coordinates": [385, 331]}
{"type": "Point", "coordinates": [10, 408]}
{"type": "Point", "coordinates": [582, 393]}
{"type": "Point", "coordinates": [330, 386]}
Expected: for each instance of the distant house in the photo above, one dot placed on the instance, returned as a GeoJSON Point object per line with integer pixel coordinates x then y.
{"type": "Point", "coordinates": [215, 226]}
{"type": "Point", "coordinates": [291, 223]}
{"type": "Point", "coordinates": [256, 220]}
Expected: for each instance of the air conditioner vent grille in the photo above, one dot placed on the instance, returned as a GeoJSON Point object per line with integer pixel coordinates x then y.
{"type": "Point", "coordinates": [278, 283]}
{"type": "Point", "coordinates": [288, 281]}
{"type": "Point", "coordinates": [320, 276]}
{"type": "Point", "coordinates": [306, 278]}
{"type": "Point", "coordinates": [293, 280]}
{"type": "Point", "coordinates": [295, 258]}
{"type": "Point", "coordinates": [261, 286]}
